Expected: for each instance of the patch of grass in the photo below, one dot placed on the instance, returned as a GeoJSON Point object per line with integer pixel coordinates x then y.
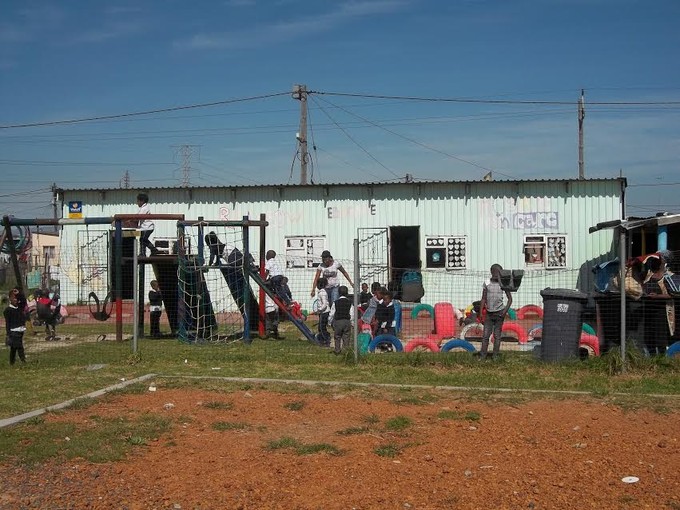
{"type": "Point", "coordinates": [36, 420]}
{"type": "Point", "coordinates": [417, 399]}
{"type": "Point", "coordinates": [100, 440]}
{"type": "Point", "coordinates": [353, 431]}
{"type": "Point", "coordinates": [389, 450]}
{"type": "Point", "coordinates": [184, 418]}
{"type": "Point", "coordinates": [59, 374]}
{"type": "Point", "coordinates": [226, 425]}
{"type": "Point", "coordinates": [218, 405]}
{"type": "Point", "coordinates": [290, 443]}
{"type": "Point", "coordinates": [371, 419]}
{"type": "Point", "coordinates": [281, 443]}
{"type": "Point", "coordinates": [398, 423]}
{"type": "Point", "coordinates": [296, 405]}
{"type": "Point", "coordinates": [308, 449]}
{"type": "Point", "coordinates": [448, 414]}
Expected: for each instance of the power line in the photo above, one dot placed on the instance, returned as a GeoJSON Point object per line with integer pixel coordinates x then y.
{"type": "Point", "coordinates": [146, 112]}
{"type": "Point", "coordinates": [494, 101]}
{"type": "Point", "coordinates": [355, 142]}
{"type": "Point", "coordinates": [29, 162]}
{"type": "Point", "coordinates": [416, 142]}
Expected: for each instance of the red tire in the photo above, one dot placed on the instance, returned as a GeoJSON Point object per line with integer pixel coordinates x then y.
{"type": "Point", "coordinates": [591, 342]}
{"type": "Point", "coordinates": [422, 344]}
{"type": "Point", "coordinates": [517, 330]}
{"type": "Point", "coordinates": [529, 309]}
{"type": "Point", "coordinates": [444, 320]}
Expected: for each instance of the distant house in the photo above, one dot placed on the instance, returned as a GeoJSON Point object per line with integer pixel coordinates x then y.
{"type": "Point", "coordinates": [451, 230]}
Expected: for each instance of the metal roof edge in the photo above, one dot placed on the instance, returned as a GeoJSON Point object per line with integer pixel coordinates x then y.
{"type": "Point", "coordinates": [350, 184]}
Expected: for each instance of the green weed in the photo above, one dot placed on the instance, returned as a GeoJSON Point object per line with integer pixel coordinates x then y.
{"type": "Point", "coordinates": [398, 423]}
{"type": "Point", "coordinates": [225, 425]}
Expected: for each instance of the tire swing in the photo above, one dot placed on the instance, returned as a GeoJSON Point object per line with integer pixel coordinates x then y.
{"type": "Point", "coordinates": [422, 307]}
{"type": "Point", "coordinates": [529, 309]}
{"type": "Point", "coordinates": [474, 326]}
{"type": "Point", "coordinates": [385, 343]}
{"type": "Point", "coordinates": [458, 344]}
{"type": "Point", "coordinates": [101, 311]}
{"type": "Point", "coordinates": [517, 330]}
{"type": "Point", "coordinates": [421, 344]}
{"type": "Point", "coordinates": [674, 350]}
{"type": "Point", "coordinates": [444, 320]}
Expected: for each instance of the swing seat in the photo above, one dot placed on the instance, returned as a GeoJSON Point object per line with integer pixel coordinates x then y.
{"type": "Point", "coordinates": [100, 312]}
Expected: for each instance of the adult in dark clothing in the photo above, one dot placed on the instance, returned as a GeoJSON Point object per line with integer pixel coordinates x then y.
{"type": "Point", "coordinates": [15, 325]}
{"type": "Point", "coordinates": [659, 312]}
{"type": "Point", "coordinates": [342, 313]}
{"type": "Point", "coordinates": [155, 309]}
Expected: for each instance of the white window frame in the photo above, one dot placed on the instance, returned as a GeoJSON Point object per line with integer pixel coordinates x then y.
{"type": "Point", "coordinates": [304, 252]}
{"type": "Point", "coordinates": [545, 247]}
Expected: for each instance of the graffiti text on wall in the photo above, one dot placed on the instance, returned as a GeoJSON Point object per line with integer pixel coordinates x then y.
{"type": "Point", "coordinates": [523, 215]}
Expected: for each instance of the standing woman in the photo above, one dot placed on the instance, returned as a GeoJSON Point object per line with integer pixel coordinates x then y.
{"type": "Point", "coordinates": [329, 269]}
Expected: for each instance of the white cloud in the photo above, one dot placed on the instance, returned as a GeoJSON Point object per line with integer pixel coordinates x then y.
{"type": "Point", "coordinates": [283, 31]}
{"type": "Point", "coordinates": [109, 31]}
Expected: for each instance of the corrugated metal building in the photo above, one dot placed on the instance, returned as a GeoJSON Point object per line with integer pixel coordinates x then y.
{"type": "Point", "coordinates": [448, 227]}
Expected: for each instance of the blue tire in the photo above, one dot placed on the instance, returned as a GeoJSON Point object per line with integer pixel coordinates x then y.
{"type": "Point", "coordinates": [458, 344]}
{"type": "Point", "coordinates": [386, 339]}
{"type": "Point", "coordinates": [673, 350]}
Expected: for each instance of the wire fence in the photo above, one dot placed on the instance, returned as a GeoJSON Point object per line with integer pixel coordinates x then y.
{"type": "Point", "coordinates": [434, 310]}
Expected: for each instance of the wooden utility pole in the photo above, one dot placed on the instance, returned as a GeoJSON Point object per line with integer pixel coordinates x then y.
{"type": "Point", "coordinates": [55, 195]}
{"type": "Point", "coordinates": [581, 116]}
{"type": "Point", "coordinates": [300, 93]}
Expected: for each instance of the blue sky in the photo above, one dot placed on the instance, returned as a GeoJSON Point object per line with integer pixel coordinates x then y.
{"type": "Point", "coordinates": [77, 59]}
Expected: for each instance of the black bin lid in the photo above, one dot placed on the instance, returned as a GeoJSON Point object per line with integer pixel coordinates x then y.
{"type": "Point", "coordinates": [566, 294]}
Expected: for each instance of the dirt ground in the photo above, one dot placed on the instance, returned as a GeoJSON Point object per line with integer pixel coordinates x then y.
{"type": "Point", "coordinates": [447, 452]}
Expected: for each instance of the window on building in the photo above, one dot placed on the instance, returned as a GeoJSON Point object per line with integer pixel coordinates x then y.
{"type": "Point", "coordinates": [449, 252]}
{"type": "Point", "coordinates": [304, 251]}
{"type": "Point", "coordinates": [545, 251]}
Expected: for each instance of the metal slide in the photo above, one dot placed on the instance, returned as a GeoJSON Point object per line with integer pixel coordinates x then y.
{"type": "Point", "coordinates": [298, 323]}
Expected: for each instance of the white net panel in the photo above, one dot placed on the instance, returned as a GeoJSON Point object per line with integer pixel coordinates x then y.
{"type": "Point", "coordinates": [215, 300]}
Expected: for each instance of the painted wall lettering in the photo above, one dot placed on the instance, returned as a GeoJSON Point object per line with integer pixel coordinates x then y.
{"type": "Point", "coordinates": [351, 211]}
{"type": "Point", "coordinates": [522, 215]}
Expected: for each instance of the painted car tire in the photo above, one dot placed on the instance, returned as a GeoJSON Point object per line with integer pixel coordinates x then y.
{"type": "Point", "coordinates": [673, 350]}
{"type": "Point", "coordinates": [363, 341]}
{"type": "Point", "coordinates": [427, 344]}
{"type": "Point", "coordinates": [391, 339]}
{"type": "Point", "coordinates": [529, 309]}
{"type": "Point", "coordinates": [444, 320]}
{"type": "Point", "coordinates": [458, 344]}
{"type": "Point", "coordinates": [475, 325]}
{"type": "Point", "coordinates": [517, 329]}
{"type": "Point", "coordinates": [422, 307]}
{"type": "Point", "coordinates": [587, 328]}
{"type": "Point", "coordinates": [531, 334]}
{"type": "Point", "coordinates": [591, 342]}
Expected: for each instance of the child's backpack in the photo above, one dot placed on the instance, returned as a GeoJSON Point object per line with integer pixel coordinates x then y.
{"type": "Point", "coordinates": [412, 286]}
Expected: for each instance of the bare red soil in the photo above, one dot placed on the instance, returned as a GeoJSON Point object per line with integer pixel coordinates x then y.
{"type": "Point", "coordinates": [450, 453]}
